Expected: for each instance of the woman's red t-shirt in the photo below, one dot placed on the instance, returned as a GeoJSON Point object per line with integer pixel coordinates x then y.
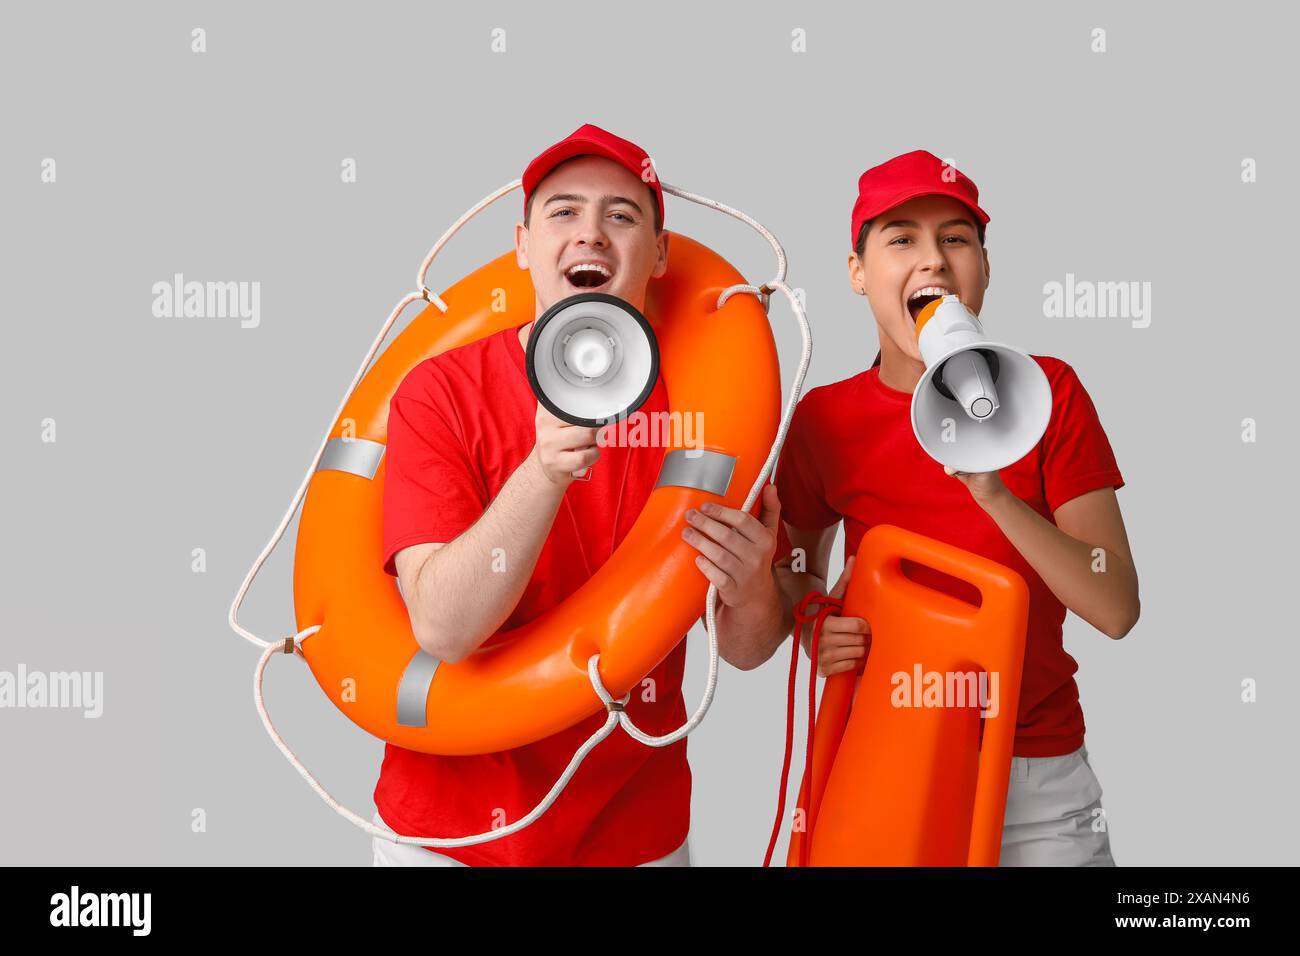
{"type": "Point", "coordinates": [851, 454]}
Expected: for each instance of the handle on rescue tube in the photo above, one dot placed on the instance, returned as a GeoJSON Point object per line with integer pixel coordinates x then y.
{"type": "Point", "coordinates": [890, 546]}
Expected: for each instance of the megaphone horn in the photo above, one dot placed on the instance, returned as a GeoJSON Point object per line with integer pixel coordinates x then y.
{"type": "Point", "coordinates": [981, 405]}
{"type": "Point", "coordinates": [592, 359]}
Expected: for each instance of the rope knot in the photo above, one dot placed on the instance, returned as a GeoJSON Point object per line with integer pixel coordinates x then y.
{"type": "Point", "coordinates": [815, 607]}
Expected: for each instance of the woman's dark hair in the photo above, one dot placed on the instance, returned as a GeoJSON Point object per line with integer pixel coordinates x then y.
{"type": "Point", "coordinates": [861, 245]}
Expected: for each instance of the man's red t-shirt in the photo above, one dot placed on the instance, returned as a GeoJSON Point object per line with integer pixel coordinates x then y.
{"type": "Point", "coordinates": [850, 454]}
{"type": "Point", "coordinates": [458, 427]}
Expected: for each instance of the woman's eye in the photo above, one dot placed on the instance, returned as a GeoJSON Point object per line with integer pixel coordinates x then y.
{"type": "Point", "coordinates": [900, 239]}
{"type": "Point", "coordinates": [958, 238]}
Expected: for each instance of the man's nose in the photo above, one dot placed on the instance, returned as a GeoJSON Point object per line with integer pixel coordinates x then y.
{"type": "Point", "coordinates": [592, 232]}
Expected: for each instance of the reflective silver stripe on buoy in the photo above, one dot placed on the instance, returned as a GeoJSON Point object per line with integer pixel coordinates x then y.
{"type": "Point", "coordinates": [356, 456]}
{"type": "Point", "coordinates": [413, 690]}
{"type": "Point", "coordinates": [692, 468]}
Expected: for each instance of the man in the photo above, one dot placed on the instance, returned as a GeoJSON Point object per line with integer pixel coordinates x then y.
{"type": "Point", "coordinates": [478, 469]}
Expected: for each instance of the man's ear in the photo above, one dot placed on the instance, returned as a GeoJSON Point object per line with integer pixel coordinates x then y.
{"type": "Point", "coordinates": [521, 245]}
{"type": "Point", "coordinates": [987, 272]}
{"type": "Point", "coordinates": [661, 266]}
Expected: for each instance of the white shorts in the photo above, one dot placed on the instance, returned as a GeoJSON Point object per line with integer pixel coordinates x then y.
{"type": "Point", "coordinates": [1054, 815]}
{"type": "Point", "coordinates": [387, 853]}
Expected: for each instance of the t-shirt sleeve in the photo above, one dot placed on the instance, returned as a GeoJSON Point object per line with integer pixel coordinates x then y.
{"type": "Point", "coordinates": [799, 482]}
{"type": "Point", "coordinates": [1077, 457]}
{"type": "Point", "coordinates": [432, 491]}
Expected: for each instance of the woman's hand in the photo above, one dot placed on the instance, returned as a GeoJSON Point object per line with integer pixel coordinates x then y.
{"type": "Point", "coordinates": [984, 486]}
{"type": "Point", "coordinates": [844, 641]}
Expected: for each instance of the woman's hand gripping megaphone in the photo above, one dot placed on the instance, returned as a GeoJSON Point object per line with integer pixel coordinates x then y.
{"type": "Point", "coordinates": [984, 486]}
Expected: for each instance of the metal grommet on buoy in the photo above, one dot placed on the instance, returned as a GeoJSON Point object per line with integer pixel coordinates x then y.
{"type": "Point", "coordinates": [616, 707]}
{"type": "Point", "coordinates": [288, 645]}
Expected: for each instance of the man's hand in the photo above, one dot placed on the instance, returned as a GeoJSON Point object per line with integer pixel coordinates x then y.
{"type": "Point", "coordinates": [562, 450]}
{"type": "Point", "coordinates": [844, 641]}
{"type": "Point", "coordinates": [736, 549]}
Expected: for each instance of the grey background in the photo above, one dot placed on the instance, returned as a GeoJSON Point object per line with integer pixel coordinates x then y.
{"type": "Point", "coordinates": [183, 433]}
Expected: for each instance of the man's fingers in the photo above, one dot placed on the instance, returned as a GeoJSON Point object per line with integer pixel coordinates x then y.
{"type": "Point", "coordinates": [575, 437]}
{"type": "Point", "coordinates": [715, 552]}
{"type": "Point", "coordinates": [716, 575]}
{"type": "Point", "coordinates": [743, 522]}
{"type": "Point", "coordinates": [771, 513]}
{"type": "Point", "coordinates": [577, 460]}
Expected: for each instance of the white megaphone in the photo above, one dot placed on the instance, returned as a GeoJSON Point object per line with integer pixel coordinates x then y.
{"type": "Point", "coordinates": [980, 405]}
{"type": "Point", "coordinates": [592, 359]}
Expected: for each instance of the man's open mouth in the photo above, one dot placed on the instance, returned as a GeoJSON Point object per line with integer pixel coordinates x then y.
{"type": "Point", "coordinates": [588, 275]}
{"type": "Point", "coordinates": [919, 299]}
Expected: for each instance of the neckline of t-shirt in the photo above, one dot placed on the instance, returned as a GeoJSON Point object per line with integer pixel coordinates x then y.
{"type": "Point", "coordinates": [888, 393]}
{"type": "Point", "coordinates": [516, 350]}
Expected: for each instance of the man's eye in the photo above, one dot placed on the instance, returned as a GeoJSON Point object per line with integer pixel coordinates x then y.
{"type": "Point", "coordinates": [961, 239]}
{"type": "Point", "coordinates": [558, 211]}
{"type": "Point", "coordinates": [625, 216]}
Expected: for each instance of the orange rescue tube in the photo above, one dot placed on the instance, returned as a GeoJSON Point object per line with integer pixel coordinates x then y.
{"type": "Point", "coordinates": [832, 717]}
{"type": "Point", "coordinates": [531, 682]}
{"type": "Point", "coordinates": [914, 785]}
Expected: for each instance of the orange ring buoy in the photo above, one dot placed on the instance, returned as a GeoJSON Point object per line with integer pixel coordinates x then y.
{"type": "Point", "coordinates": [532, 682]}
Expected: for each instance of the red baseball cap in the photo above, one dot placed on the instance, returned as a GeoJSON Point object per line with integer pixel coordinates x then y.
{"type": "Point", "coordinates": [589, 140]}
{"type": "Point", "coordinates": [918, 173]}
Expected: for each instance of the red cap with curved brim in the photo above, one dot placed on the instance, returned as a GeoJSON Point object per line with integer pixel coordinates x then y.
{"type": "Point", "coordinates": [918, 173]}
{"type": "Point", "coordinates": [589, 140]}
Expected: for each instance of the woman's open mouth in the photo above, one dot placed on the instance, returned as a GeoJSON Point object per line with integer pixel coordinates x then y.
{"type": "Point", "coordinates": [588, 276]}
{"type": "Point", "coordinates": [919, 299]}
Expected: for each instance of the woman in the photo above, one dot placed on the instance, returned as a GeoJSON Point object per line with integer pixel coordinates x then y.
{"type": "Point", "coordinates": [917, 232]}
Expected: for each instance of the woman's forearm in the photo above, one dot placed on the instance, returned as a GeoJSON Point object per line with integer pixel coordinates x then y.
{"type": "Point", "coordinates": [1101, 589]}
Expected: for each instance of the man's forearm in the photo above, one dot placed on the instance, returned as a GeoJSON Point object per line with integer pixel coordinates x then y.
{"type": "Point", "coordinates": [466, 590]}
{"type": "Point", "coordinates": [750, 633]}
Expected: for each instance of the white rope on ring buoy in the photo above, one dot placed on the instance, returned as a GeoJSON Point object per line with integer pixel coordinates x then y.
{"type": "Point", "coordinates": [616, 715]}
